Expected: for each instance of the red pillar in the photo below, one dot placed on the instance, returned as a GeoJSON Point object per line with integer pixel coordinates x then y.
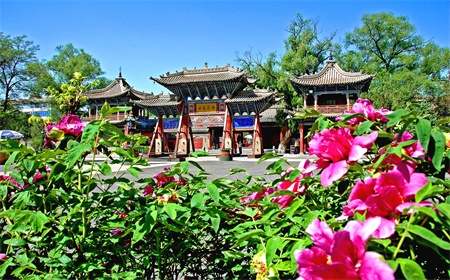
{"type": "Point", "coordinates": [302, 140]}
{"type": "Point", "coordinates": [182, 145]}
{"type": "Point", "coordinates": [257, 145]}
{"type": "Point", "coordinates": [157, 138]}
{"type": "Point", "coordinates": [227, 139]}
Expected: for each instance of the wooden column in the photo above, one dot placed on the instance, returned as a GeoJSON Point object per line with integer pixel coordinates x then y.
{"type": "Point", "coordinates": [157, 139]}
{"type": "Point", "coordinates": [182, 145]}
{"type": "Point", "coordinates": [257, 145]}
{"type": "Point", "coordinates": [227, 138]}
{"type": "Point", "coordinates": [302, 140]}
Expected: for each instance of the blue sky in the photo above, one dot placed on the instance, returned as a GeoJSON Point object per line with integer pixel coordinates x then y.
{"type": "Point", "coordinates": [150, 38]}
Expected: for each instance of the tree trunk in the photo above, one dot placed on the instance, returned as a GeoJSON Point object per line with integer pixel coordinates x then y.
{"type": "Point", "coordinates": [285, 141]}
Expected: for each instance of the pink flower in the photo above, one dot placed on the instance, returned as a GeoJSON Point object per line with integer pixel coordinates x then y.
{"type": "Point", "coordinates": [254, 196]}
{"type": "Point", "coordinates": [68, 125]}
{"type": "Point", "coordinates": [296, 186]}
{"type": "Point", "coordinates": [148, 190]}
{"type": "Point", "coordinates": [3, 256]}
{"type": "Point", "coordinates": [11, 180]}
{"type": "Point", "coordinates": [415, 150]}
{"type": "Point", "coordinates": [341, 255]}
{"type": "Point", "coordinates": [117, 231]}
{"type": "Point", "coordinates": [71, 125]}
{"type": "Point", "coordinates": [162, 178]}
{"type": "Point", "coordinates": [385, 196]}
{"type": "Point", "coordinates": [365, 107]}
{"type": "Point", "coordinates": [336, 149]}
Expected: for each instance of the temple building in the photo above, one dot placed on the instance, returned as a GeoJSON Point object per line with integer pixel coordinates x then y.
{"type": "Point", "coordinates": [118, 93]}
{"type": "Point", "coordinates": [331, 92]}
{"type": "Point", "coordinates": [221, 111]}
{"type": "Point", "coordinates": [214, 108]}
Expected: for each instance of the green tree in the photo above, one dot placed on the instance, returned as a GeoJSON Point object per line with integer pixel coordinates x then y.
{"type": "Point", "coordinates": [16, 55]}
{"type": "Point", "coordinates": [305, 52]}
{"type": "Point", "coordinates": [69, 60]}
{"type": "Point", "coordinates": [408, 68]}
{"type": "Point", "coordinates": [70, 96]}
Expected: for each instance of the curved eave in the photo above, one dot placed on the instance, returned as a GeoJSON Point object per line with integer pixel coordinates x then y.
{"type": "Point", "coordinates": [332, 75]}
{"type": "Point", "coordinates": [250, 102]}
{"type": "Point", "coordinates": [160, 105]}
{"type": "Point", "coordinates": [200, 78]}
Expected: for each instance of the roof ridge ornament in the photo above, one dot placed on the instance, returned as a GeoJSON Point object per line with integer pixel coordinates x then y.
{"type": "Point", "coordinates": [120, 72]}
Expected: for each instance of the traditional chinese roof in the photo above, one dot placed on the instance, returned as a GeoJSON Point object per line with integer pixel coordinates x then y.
{"type": "Point", "coordinates": [119, 88]}
{"type": "Point", "coordinates": [250, 102]}
{"type": "Point", "coordinates": [160, 105]}
{"type": "Point", "coordinates": [332, 75]}
{"type": "Point", "coordinates": [205, 83]}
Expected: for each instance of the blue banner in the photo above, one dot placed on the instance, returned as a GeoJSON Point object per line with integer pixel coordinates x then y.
{"type": "Point", "coordinates": [243, 122]}
{"type": "Point", "coordinates": [171, 124]}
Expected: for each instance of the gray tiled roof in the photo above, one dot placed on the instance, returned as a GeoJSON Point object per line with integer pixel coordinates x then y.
{"type": "Point", "coordinates": [163, 104]}
{"type": "Point", "coordinates": [332, 75]}
{"type": "Point", "coordinates": [118, 88]}
{"type": "Point", "coordinates": [201, 75]}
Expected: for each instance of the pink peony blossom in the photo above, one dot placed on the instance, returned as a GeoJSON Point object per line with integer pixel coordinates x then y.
{"type": "Point", "coordinates": [365, 107]}
{"type": "Point", "coordinates": [341, 255]}
{"type": "Point", "coordinates": [68, 125]}
{"type": "Point", "coordinates": [117, 231]}
{"type": "Point", "coordinates": [385, 196]}
{"type": "Point", "coordinates": [71, 125]}
{"type": "Point", "coordinates": [296, 186]}
{"type": "Point", "coordinates": [336, 149]}
{"type": "Point", "coordinates": [162, 178]}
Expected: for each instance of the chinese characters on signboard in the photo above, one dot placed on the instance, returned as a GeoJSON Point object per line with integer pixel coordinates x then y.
{"type": "Point", "coordinates": [206, 108]}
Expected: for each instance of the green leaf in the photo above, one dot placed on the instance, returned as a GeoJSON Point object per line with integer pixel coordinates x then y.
{"type": "Point", "coordinates": [11, 160]}
{"type": "Point", "coordinates": [198, 201]}
{"type": "Point", "coordinates": [396, 116]}
{"type": "Point", "coordinates": [423, 127]}
{"type": "Point", "coordinates": [15, 242]}
{"type": "Point", "coordinates": [213, 192]}
{"type": "Point", "coordinates": [271, 249]}
{"type": "Point", "coordinates": [215, 221]}
{"type": "Point", "coordinates": [410, 269]}
{"type": "Point", "coordinates": [4, 267]}
{"type": "Point", "coordinates": [246, 235]}
{"type": "Point", "coordinates": [105, 168]}
{"type": "Point", "coordinates": [294, 174]}
{"type": "Point", "coordinates": [3, 191]}
{"type": "Point", "coordinates": [444, 208]}
{"type": "Point", "coordinates": [439, 147]}
{"type": "Point", "coordinates": [170, 210]}
{"type": "Point", "coordinates": [76, 152]}
{"type": "Point", "coordinates": [429, 236]}
{"type": "Point", "coordinates": [105, 109]}
{"type": "Point", "coordinates": [364, 127]}
{"type": "Point", "coordinates": [139, 231]}
{"type": "Point", "coordinates": [89, 132]}
{"type": "Point", "coordinates": [38, 220]}
{"type": "Point", "coordinates": [290, 211]}
{"type": "Point", "coordinates": [133, 172]}
{"type": "Point", "coordinates": [150, 219]}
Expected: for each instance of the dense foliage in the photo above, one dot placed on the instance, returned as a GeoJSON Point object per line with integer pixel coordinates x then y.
{"type": "Point", "coordinates": [374, 203]}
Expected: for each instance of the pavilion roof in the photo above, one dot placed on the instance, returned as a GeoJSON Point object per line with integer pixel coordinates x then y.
{"type": "Point", "coordinates": [205, 83]}
{"type": "Point", "coordinates": [332, 75]}
{"type": "Point", "coordinates": [117, 89]}
{"type": "Point", "coordinates": [160, 105]}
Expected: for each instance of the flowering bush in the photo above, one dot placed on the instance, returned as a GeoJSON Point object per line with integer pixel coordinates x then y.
{"type": "Point", "coordinates": [371, 202]}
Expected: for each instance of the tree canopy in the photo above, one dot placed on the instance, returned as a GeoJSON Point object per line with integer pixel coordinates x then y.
{"type": "Point", "coordinates": [17, 54]}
